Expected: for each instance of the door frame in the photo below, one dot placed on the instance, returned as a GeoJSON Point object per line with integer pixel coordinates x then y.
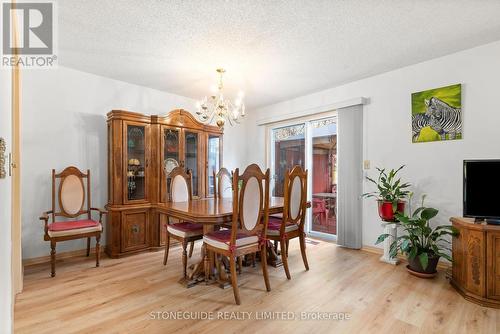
{"type": "Point", "coordinates": [269, 150]}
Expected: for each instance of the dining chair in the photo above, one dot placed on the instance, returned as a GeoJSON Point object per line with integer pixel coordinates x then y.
{"type": "Point", "coordinates": [247, 235]}
{"type": "Point", "coordinates": [319, 210]}
{"type": "Point", "coordinates": [224, 189]}
{"type": "Point", "coordinates": [223, 183]}
{"type": "Point", "coordinates": [184, 232]}
{"type": "Point", "coordinates": [291, 225]}
{"type": "Point", "coordinates": [72, 196]}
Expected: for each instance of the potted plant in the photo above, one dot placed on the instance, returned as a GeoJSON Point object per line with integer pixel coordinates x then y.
{"type": "Point", "coordinates": [390, 193]}
{"type": "Point", "coordinates": [422, 244]}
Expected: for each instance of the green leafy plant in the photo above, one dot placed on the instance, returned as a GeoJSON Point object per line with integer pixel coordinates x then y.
{"type": "Point", "coordinates": [421, 240]}
{"type": "Point", "coordinates": [389, 187]}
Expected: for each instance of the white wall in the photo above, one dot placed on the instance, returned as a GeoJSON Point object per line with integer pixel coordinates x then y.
{"type": "Point", "coordinates": [434, 168]}
{"type": "Point", "coordinates": [5, 208]}
{"type": "Point", "coordinates": [64, 123]}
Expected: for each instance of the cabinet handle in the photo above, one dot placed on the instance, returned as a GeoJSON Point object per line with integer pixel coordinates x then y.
{"type": "Point", "coordinates": [135, 228]}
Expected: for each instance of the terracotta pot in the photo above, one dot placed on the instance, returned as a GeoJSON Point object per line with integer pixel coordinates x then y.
{"type": "Point", "coordinates": [385, 210]}
{"type": "Point", "coordinates": [415, 265]}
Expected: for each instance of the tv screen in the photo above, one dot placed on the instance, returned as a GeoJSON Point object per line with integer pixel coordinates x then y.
{"type": "Point", "coordinates": [482, 189]}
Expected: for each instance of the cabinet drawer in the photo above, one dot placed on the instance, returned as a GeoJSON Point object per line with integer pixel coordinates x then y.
{"type": "Point", "coordinates": [135, 226]}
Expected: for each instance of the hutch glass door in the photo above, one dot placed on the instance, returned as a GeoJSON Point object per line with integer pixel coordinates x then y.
{"type": "Point", "coordinates": [171, 149]}
{"type": "Point", "coordinates": [213, 162]}
{"type": "Point", "coordinates": [191, 152]}
{"type": "Point", "coordinates": [136, 162]}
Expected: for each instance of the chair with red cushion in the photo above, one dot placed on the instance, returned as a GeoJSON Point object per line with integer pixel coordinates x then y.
{"type": "Point", "coordinates": [319, 210]}
{"type": "Point", "coordinates": [246, 236]}
{"type": "Point", "coordinates": [184, 232]}
{"type": "Point", "coordinates": [72, 197]}
{"type": "Point", "coordinates": [291, 223]}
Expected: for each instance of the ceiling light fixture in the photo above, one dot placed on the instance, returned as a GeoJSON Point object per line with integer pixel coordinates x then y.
{"type": "Point", "coordinates": [217, 107]}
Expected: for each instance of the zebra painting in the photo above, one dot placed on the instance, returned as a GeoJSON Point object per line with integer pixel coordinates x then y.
{"type": "Point", "coordinates": [443, 118]}
{"type": "Point", "coordinates": [437, 114]}
{"type": "Point", "coordinates": [418, 122]}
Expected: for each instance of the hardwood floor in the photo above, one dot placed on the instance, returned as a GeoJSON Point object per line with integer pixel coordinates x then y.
{"type": "Point", "coordinates": [120, 296]}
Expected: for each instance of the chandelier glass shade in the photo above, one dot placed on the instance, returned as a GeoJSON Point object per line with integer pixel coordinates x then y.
{"type": "Point", "coordinates": [217, 107]}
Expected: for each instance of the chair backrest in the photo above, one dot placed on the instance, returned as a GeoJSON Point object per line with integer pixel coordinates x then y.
{"type": "Point", "coordinates": [251, 202]}
{"type": "Point", "coordinates": [223, 184]}
{"type": "Point", "coordinates": [71, 192]}
{"type": "Point", "coordinates": [180, 185]}
{"type": "Point", "coordinates": [295, 202]}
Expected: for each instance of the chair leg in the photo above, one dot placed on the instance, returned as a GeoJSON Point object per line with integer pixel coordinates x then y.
{"type": "Point", "coordinates": [302, 239]}
{"type": "Point", "coordinates": [184, 257]}
{"type": "Point", "coordinates": [191, 248]}
{"type": "Point", "coordinates": [240, 264]}
{"type": "Point", "coordinates": [88, 246]}
{"type": "Point", "coordinates": [97, 250]}
{"type": "Point", "coordinates": [287, 244]}
{"type": "Point", "coordinates": [234, 279]}
{"type": "Point", "coordinates": [263, 262]}
{"type": "Point", "coordinates": [167, 248]}
{"type": "Point", "coordinates": [52, 258]}
{"type": "Point", "coordinates": [284, 256]}
{"type": "Point", "coordinates": [218, 266]}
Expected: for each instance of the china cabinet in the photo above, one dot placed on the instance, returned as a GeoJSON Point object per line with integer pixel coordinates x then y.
{"type": "Point", "coordinates": [142, 150]}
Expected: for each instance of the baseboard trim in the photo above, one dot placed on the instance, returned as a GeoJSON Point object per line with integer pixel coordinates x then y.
{"type": "Point", "coordinates": [379, 251]}
{"type": "Point", "coordinates": [59, 256]}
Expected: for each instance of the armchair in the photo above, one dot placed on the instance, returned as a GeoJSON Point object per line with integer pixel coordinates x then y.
{"type": "Point", "coordinates": [73, 201]}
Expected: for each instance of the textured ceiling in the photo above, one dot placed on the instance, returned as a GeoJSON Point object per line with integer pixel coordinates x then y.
{"type": "Point", "coordinates": [273, 50]}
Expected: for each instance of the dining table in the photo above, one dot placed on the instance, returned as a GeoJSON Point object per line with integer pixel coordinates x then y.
{"type": "Point", "coordinates": [213, 213]}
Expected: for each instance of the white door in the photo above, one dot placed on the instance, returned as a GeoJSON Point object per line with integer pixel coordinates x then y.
{"type": "Point", "coordinates": [5, 203]}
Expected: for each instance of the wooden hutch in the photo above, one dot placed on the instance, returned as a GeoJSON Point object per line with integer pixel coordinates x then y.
{"type": "Point", "coordinates": [141, 150]}
{"type": "Point", "coordinates": [476, 261]}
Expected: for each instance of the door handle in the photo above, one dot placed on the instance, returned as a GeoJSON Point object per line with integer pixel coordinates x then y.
{"type": "Point", "coordinates": [3, 147]}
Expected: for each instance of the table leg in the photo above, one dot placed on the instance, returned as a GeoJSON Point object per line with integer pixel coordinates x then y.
{"type": "Point", "coordinates": [273, 258]}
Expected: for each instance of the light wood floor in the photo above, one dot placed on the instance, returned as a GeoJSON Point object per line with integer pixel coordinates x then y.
{"type": "Point", "coordinates": [119, 296]}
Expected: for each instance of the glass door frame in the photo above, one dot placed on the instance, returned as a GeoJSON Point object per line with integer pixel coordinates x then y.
{"type": "Point", "coordinates": [270, 163]}
{"type": "Point", "coordinates": [147, 157]}
{"type": "Point", "coordinates": [200, 166]}
{"type": "Point", "coordinates": [207, 172]}
{"type": "Point", "coordinates": [163, 177]}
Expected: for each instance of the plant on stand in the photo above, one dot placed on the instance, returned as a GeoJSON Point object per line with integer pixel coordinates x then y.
{"type": "Point", "coordinates": [390, 194]}
{"type": "Point", "coordinates": [422, 244]}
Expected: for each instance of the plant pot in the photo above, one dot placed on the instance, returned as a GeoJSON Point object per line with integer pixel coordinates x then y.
{"type": "Point", "coordinates": [385, 210]}
{"type": "Point", "coordinates": [414, 267]}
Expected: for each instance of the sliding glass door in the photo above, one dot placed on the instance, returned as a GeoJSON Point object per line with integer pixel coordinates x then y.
{"type": "Point", "coordinates": [311, 144]}
{"type": "Point", "coordinates": [288, 150]}
{"type": "Point", "coordinates": [323, 173]}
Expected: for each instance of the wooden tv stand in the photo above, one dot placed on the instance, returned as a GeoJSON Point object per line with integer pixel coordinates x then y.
{"type": "Point", "coordinates": [476, 261]}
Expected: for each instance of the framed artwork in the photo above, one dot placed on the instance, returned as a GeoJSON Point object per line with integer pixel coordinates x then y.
{"type": "Point", "coordinates": [436, 114]}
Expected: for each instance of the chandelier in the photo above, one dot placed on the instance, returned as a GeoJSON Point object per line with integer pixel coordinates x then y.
{"type": "Point", "coordinates": [220, 108]}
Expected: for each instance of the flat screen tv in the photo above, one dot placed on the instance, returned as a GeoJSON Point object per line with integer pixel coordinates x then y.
{"type": "Point", "coordinates": [482, 190]}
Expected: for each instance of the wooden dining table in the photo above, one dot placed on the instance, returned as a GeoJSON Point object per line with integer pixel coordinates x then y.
{"type": "Point", "coordinates": [211, 213]}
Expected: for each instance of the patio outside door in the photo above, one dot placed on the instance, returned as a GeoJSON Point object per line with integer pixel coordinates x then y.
{"type": "Point", "coordinates": [323, 175]}
{"type": "Point", "coordinates": [311, 144]}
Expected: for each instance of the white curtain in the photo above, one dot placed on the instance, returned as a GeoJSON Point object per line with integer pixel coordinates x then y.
{"type": "Point", "coordinates": [350, 176]}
